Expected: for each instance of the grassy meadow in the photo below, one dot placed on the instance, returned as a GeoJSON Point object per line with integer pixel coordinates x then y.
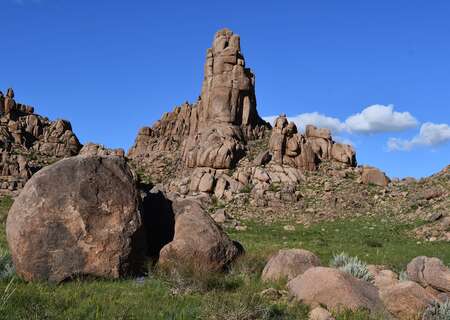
{"type": "Point", "coordinates": [232, 296]}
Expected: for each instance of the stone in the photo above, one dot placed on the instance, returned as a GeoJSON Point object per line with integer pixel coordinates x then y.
{"type": "Point", "coordinates": [221, 216]}
{"type": "Point", "coordinates": [198, 240]}
{"type": "Point", "coordinates": [288, 264]}
{"type": "Point", "coordinates": [406, 300]}
{"type": "Point", "coordinates": [94, 149]}
{"type": "Point", "coordinates": [383, 278]}
{"type": "Point", "coordinates": [212, 132]}
{"type": "Point", "coordinates": [334, 289]}
{"type": "Point", "coordinates": [320, 313]}
{"type": "Point", "coordinates": [262, 158]}
{"type": "Point", "coordinates": [291, 148]}
{"type": "Point", "coordinates": [206, 183]}
{"type": "Point", "coordinates": [79, 216]}
{"type": "Point", "coordinates": [374, 176]}
{"type": "Point", "coordinates": [429, 272]}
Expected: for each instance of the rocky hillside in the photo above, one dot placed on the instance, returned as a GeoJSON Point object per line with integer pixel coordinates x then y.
{"type": "Point", "coordinates": [220, 150]}
{"type": "Point", "coordinates": [29, 141]}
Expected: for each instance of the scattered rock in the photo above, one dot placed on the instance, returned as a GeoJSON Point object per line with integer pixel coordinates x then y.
{"type": "Point", "coordinates": [429, 272]}
{"type": "Point", "coordinates": [288, 264]}
{"type": "Point", "coordinates": [198, 240]}
{"type": "Point", "coordinates": [334, 289]}
{"type": "Point", "coordinates": [79, 216]}
{"type": "Point", "coordinates": [320, 313]}
{"type": "Point", "coordinates": [406, 300]}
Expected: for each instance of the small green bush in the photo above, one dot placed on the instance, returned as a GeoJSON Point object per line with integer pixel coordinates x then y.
{"type": "Point", "coordinates": [403, 276]}
{"type": "Point", "coordinates": [437, 311]}
{"type": "Point", "coordinates": [351, 265]}
{"type": "Point", "coordinates": [6, 265]}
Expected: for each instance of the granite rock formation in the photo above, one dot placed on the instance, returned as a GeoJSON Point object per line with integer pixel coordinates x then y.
{"type": "Point", "coordinates": [213, 132]}
{"type": "Point", "coordinates": [29, 141]}
{"type": "Point", "coordinates": [306, 151]}
{"type": "Point", "coordinates": [79, 216]}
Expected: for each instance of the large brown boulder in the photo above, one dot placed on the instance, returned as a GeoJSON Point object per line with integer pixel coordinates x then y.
{"type": "Point", "coordinates": [288, 264]}
{"type": "Point", "coordinates": [79, 216]}
{"type": "Point", "coordinates": [406, 300]}
{"type": "Point", "coordinates": [334, 289]}
{"type": "Point", "coordinates": [198, 241]}
{"type": "Point", "coordinates": [374, 176]}
{"type": "Point", "coordinates": [429, 272]}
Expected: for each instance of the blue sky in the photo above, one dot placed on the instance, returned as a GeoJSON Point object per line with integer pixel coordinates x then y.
{"type": "Point", "coordinates": [111, 67]}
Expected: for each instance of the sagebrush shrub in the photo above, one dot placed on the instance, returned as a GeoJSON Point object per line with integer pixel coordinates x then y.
{"type": "Point", "coordinates": [6, 265]}
{"type": "Point", "coordinates": [437, 311]}
{"type": "Point", "coordinates": [351, 265]}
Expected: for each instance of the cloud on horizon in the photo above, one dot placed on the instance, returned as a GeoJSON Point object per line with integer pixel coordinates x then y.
{"type": "Point", "coordinates": [373, 119]}
{"type": "Point", "coordinates": [430, 135]}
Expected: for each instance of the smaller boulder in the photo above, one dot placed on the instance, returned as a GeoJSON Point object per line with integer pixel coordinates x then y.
{"type": "Point", "coordinates": [262, 158]}
{"type": "Point", "coordinates": [198, 240]}
{"type": "Point", "coordinates": [335, 289]}
{"type": "Point", "coordinates": [375, 176]}
{"type": "Point", "coordinates": [406, 300]}
{"type": "Point", "coordinates": [320, 313]}
{"type": "Point", "coordinates": [383, 278]}
{"type": "Point", "coordinates": [429, 272]}
{"type": "Point", "coordinates": [288, 264]}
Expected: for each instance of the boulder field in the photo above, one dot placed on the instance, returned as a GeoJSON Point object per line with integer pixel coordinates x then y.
{"type": "Point", "coordinates": [84, 215]}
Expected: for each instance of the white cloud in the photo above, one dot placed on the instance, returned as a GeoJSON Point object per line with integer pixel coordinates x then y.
{"type": "Point", "coordinates": [379, 118]}
{"type": "Point", "coordinates": [430, 135]}
{"type": "Point", "coordinates": [373, 119]}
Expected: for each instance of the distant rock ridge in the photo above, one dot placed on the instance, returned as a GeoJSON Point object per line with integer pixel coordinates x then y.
{"type": "Point", "coordinates": [29, 141]}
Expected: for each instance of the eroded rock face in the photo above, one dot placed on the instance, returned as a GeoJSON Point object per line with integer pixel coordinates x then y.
{"type": "Point", "coordinates": [79, 216]}
{"type": "Point", "coordinates": [306, 151]}
{"type": "Point", "coordinates": [288, 264]}
{"type": "Point", "coordinates": [95, 149]}
{"type": "Point", "coordinates": [335, 289]}
{"type": "Point", "coordinates": [213, 132]}
{"type": "Point", "coordinates": [29, 141]}
{"type": "Point", "coordinates": [197, 240]}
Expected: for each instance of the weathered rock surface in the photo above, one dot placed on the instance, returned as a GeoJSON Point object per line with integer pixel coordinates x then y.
{"type": "Point", "coordinates": [198, 240]}
{"type": "Point", "coordinates": [320, 313]}
{"type": "Point", "coordinates": [383, 278]}
{"type": "Point", "coordinates": [429, 272]}
{"type": "Point", "coordinates": [95, 149]}
{"type": "Point", "coordinates": [306, 151]}
{"type": "Point", "coordinates": [29, 141]}
{"type": "Point", "coordinates": [334, 289]}
{"type": "Point", "coordinates": [372, 175]}
{"type": "Point", "coordinates": [406, 300]}
{"type": "Point", "coordinates": [79, 216]}
{"type": "Point", "coordinates": [288, 264]}
{"type": "Point", "coordinates": [213, 132]}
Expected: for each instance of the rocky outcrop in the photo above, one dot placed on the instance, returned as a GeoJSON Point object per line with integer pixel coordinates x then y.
{"type": "Point", "coordinates": [213, 132]}
{"type": "Point", "coordinates": [306, 151]}
{"type": "Point", "coordinates": [29, 141]}
{"type": "Point", "coordinates": [288, 264]}
{"type": "Point", "coordinates": [95, 149]}
{"type": "Point", "coordinates": [198, 241]}
{"type": "Point", "coordinates": [334, 289]}
{"type": "Point", "coordinates": [79, 216]}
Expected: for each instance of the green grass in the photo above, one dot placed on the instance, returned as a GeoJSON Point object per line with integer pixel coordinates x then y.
{"type": "Point", "coordinates": [235, 295]}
